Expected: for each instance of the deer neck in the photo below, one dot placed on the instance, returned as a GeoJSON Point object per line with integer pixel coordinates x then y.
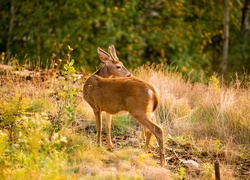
{"type": "Point", "coordinates": [103, 72]}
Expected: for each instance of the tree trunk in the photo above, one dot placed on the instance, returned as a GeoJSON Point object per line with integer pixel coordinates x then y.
{"type": "Point", "coordinates": [11, 25]}
{"type": "Point", "coordinates": [244, 20]}
{"type": "Point", "coordinates": [225, 37]}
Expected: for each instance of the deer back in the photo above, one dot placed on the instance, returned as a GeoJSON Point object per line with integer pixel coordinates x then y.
{"type": "Point", "coordinates": [120, 94]}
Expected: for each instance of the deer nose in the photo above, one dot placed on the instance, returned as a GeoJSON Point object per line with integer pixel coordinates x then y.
{"type": "Point", "coordinates": [129, 75]}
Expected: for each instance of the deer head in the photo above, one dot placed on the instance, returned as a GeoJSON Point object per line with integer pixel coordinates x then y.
{"type": "Point", "coordinates": [112, 65]}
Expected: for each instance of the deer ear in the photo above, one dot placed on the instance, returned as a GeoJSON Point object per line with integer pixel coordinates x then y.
{"type": "Point", "coordinates": [113, 52]}
{"type": "Point", "coordinates": [103, 55]}
{"type": "Point", "coordinates": [110, 53]}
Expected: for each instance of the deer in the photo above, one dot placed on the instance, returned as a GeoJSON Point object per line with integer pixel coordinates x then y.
{"type": "Point", "coordinates": [124, 94]}
{"type": "Point", "coordinates": [112, 67]}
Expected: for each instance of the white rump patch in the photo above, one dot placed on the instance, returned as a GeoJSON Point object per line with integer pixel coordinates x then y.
{"type": "Point", "coordinates": [152, 115]}
{"type": "Point", "coordinates": [151, 102]}
{"type": "Point", "coordinates": [150, 93]}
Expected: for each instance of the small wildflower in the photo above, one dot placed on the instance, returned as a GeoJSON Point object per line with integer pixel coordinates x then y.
{"type": "Point", "coordinates": [55, 136]}
{"type": "Point", "coordinates": [63, 139]}
{"type": "Point", "coordinates": [70, 49]}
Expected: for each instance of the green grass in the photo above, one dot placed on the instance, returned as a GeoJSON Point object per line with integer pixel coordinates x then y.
{"type": "Point", "coordinates": [122, 124]}
{"type": "Point", "coordinates": [42, 138]}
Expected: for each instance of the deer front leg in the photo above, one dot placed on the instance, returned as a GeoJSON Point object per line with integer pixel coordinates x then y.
{"type": "Point", "coordinates": [108, 129]}
{"type": "Point", "coordinates": [98, 126]}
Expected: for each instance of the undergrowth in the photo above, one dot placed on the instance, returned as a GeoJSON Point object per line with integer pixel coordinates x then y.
{"type": "Point", "coordinates": [45, 130]}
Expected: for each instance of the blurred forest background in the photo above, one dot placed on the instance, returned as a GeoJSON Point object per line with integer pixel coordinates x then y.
{"type": "Point", "coordinates": [186, 33]}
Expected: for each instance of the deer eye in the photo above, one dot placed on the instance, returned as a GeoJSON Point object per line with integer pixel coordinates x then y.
{"type": "Point", "coordinates": [118, 67]}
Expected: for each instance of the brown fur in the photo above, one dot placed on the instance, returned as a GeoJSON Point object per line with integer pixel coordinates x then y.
{"type": "Point", "coordinates": [123, 92]}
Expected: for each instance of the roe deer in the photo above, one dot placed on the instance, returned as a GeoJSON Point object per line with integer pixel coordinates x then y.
{"type": "Point", "coordinates": [130, 94]}
{"type": "Point", "coordinates": [112, 66]}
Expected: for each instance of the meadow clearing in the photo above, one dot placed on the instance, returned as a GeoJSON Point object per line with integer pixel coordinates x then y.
{"type": "Point", "coordinates": [47, 130]}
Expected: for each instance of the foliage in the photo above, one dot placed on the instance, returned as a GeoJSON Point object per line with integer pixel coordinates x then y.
{"type": "Point", "coordinates": [208, 171]}
{"type": "Point", "coordinates": [186, 33]}
{"type": "Point", "coordinates": [208, 121]}
{"type": "Point", "coordinates": [13, 107]}
{"type": "Point", "coordinates": [67, 93]}
{"type": "Point", "coordinates": [182, 173]}
{"type": "Point", "coordinates": [31, 151]}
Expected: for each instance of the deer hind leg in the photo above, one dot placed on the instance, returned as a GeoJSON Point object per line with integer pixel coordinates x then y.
{"type": "Point", "coordinates": [145, 120]}
{"type": "Point", "coordinates": [108, 129]}
{"type": "Point", "coordinates": [148, 134]}
{"type": "Point", "coordinates": [98, 126]}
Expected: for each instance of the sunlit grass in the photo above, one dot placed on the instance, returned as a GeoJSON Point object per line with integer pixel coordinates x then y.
{"type": "Point", "coordinates": [220, 110]}
{"type": "Point", "coordinates": [211, 117]}
{"type": "Point", "coordinates": [122, 124]}
{"type": "Point", "coordinates": [210, 112]}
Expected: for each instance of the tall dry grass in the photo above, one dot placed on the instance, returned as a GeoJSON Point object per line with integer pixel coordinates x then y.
{"type": "Point", "coordinates": [211, 116]}
{"type": "Point", "coordinates": [201, 110]}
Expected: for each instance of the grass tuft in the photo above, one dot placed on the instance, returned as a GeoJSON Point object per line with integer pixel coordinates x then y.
{"type": "Point", "coordinates": [48, 132]}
